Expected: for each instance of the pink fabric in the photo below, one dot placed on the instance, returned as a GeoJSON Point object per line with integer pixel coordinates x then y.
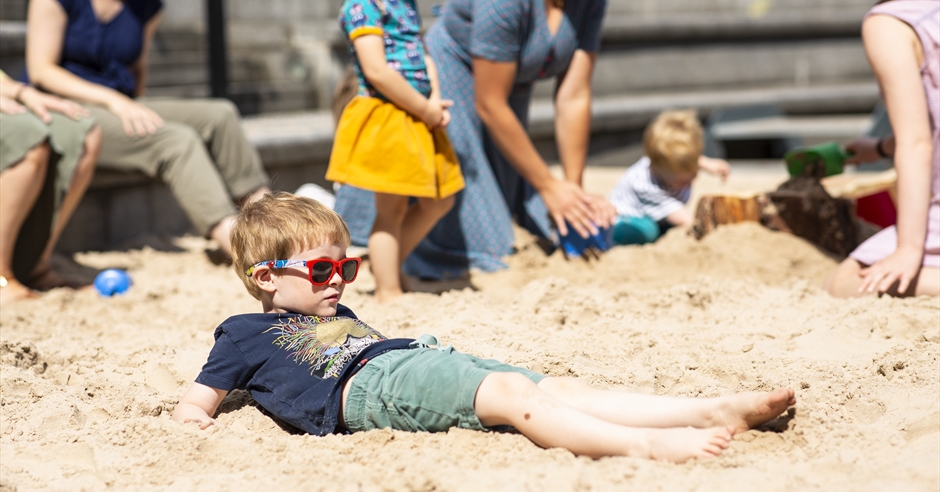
{"type": "Point", "coordinates": [885, 242]}
{"type": "Point", "coordinates": [924, 17]}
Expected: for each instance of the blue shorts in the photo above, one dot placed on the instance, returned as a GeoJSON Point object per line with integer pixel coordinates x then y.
{"type": "Point", "coordinates": [420, 389]}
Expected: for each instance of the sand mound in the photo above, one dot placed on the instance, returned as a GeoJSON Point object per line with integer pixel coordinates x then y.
{"type": "Point", "coordinates": [88, 382]}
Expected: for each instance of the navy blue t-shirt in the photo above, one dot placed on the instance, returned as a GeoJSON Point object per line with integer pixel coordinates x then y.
{"type": "Point", "coordinates": [294, 365]}
{"type": "Point", "coordinates": [104, 52]}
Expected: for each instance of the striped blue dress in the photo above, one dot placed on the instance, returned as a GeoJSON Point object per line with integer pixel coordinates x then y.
{"type": "Point", "coordinates": [477, 233]}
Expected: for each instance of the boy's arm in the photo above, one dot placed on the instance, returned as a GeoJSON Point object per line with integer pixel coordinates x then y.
{"type": "Point", "coordinates": [199, 405]}
{"type": "Point", "coordinates": [719, 167]}
{"type": "Point", "coordinates": [681, 217]}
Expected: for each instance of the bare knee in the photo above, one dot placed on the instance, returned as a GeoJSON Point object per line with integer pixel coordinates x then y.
{"type": "Point", "coordinates": [844, 281]}
{"type": "Point", "coordinates": [501, 398]}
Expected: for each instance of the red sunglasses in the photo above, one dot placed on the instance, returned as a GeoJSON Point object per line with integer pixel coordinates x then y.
{"type": "Point", "coordinates": [319, 271]}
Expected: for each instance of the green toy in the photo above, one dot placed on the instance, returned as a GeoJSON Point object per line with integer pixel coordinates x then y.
{"type": "Point", "coordinates": [816, 161]}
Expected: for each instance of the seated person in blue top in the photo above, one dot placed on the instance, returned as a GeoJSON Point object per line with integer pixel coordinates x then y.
{"type": "Point", "coordinates": [95, 52]}
{"type": "Point", "coordinates": [309, 361]}
{"type": "Point", "coordinates": [651, 196]}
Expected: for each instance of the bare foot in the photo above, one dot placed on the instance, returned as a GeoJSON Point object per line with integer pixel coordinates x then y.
{"type": "Point", "coordinates": [15, 291]}
{"type": "Point", "coordinates": [384, 297]}
{"type": "Point", "coordinates": [46, 278]}
{"type": "Point", "coordinates": [747, 410]}
{"type": "Point", "coordinates": [682, 444]}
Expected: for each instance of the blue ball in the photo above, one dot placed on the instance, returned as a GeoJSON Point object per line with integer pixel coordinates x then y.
{"type": "Point", "coordinates": [112, 281]}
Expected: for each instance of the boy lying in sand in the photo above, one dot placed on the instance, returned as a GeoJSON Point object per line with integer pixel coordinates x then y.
{"type": "Point", "coordinates": [308, 360]}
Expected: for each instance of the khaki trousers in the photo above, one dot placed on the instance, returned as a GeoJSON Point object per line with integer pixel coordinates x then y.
{"type": "Point", "coordinates": [201, 153]}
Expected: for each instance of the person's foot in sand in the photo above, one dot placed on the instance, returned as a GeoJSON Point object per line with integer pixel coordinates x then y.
{"type": "Point", "coordinates": [682, 444]}
{"type": "Point", "coordinates": [745, 411]}
{"type": "Point", "coordinates": [11, 290]}
{"type": "Point", "coordinates": [45, 278]}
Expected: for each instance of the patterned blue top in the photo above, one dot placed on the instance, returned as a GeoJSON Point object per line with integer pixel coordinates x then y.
{"type": "Point", "coordinates": [102, 52]}
{"type": "Point", "coordinates": [400, 27]}
{"type": "Point", "coordinates": [516, 31]}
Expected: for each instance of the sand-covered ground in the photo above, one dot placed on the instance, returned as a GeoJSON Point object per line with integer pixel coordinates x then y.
{"type": "Point", "coordinates": [88, 382]}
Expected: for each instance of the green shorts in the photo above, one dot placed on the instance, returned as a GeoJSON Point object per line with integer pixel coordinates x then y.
{"type": "Point", "coordinates": [420, 389]}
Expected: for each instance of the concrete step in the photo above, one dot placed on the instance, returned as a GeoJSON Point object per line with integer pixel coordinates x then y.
{"type": "Point", "coordinates": [627, 70]}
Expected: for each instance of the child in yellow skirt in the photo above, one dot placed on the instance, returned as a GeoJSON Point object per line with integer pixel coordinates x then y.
{"type": "Point", "coordinates": [390, 138]}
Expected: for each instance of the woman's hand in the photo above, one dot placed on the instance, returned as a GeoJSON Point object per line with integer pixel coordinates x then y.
{"type": "Point", "coordinates": [603, 212]}
{"type": "Point", "coordinates": [11, 107]}
{"type": "Point", "coordinates": [902, 267]}
{"type": "Point", "coordinates": [136, 118]}
{"type": "Point", "coordinates": [566, 201]}
{"type": "Point", "coordinates": [41, 104]}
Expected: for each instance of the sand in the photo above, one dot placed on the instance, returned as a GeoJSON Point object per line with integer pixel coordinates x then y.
{"type": "Point", "coordinates": [88, 383]}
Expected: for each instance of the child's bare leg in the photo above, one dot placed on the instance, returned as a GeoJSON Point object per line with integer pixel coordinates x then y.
{"type": "Point", "coordinates": [419, 221]}
{"type": "Point", "coordinates": [513, 399]}
{"type": "Point", "coordinates": [742, 410]}
{"type": "Point", "coordinates": [845, 280]}
{"type": "Point", "coordinates": [385, 245]}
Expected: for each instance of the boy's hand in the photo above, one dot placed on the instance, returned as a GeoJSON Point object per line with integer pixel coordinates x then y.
{"type": "Point", "coordinates": [204, 423]}
{"type": "Point", "coordinates": [718, 167]}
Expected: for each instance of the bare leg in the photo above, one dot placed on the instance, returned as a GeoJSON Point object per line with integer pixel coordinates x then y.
{"type": "Point", "coordinates": [510, 398]}
{"type": "Point", "coordinates": [928, 282]}
{"type": "Point", "coordinates": [20, 186]}
{"type": "Point", "coordinates": [385, 245]}
{"type": "Point", "coordinates": [223, 230]}
{"type": "Point", "coordinates": [419, 221]}
{"type": "Point", "coordinates": [741, 410]}
{"type": "Point", "coordinates": [844, 281]}
{"type": "Point", "coordinates": [43, 277]}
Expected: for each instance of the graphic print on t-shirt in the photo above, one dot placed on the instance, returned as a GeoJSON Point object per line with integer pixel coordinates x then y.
{"type": "Point", "coordinates": [327, 344]}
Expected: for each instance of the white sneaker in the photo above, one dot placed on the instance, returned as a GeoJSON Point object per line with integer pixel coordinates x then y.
{"type": "Point", "coordinates": [318, 193]}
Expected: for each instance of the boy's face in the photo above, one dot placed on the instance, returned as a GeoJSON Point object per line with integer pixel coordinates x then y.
{"type": "Point", "coordinates": [674, 181]}
{"type": "Point", "coordinates": [296, 294]}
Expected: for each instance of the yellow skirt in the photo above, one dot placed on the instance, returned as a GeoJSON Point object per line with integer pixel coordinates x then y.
{"type": "Point", "coordinates": [382, 148]}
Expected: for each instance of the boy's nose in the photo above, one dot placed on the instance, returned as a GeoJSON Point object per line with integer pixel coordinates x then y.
{"type": "Point", "coordinates": [337, 278]}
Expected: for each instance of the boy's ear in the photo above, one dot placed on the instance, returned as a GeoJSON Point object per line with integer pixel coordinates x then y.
{"type": "Point", "coordinates": [263, 279]}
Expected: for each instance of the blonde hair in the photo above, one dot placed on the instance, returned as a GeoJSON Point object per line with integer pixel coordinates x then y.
{"type": "Point", "coordinates": [673, 141]}
{"type": "Point", "coordinates": [278, 226]}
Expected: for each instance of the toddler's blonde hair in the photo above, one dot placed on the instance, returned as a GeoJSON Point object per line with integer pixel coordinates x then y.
{"type": "Point", "coordinates": [278, 226]}
{"type": "Point", "coordinates": [673, 141]}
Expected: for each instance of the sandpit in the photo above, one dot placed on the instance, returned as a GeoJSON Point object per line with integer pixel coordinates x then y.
{"type": "Point", "coordinates": [88, 382]}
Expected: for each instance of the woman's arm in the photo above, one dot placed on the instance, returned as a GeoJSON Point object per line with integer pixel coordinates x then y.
{"type": "Point", "coordinates": [199, 405]}
{"type": "Point", "coordinates": [573, 127]}
{"type": "Point", "coordinates": [18, 97]}
{"type": "Point", "coordinates": [573, 114]}
{"type": "Point", "coordinates": [493, 82]}
{"type": "Point", "coordinates": [46, 23]}
{"type": "Point", "coordinates": [893, 51]}
{"type": "Point", "coordinates": [139, 69]}
{"type": "Point", "coordinates": [370, 50]}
